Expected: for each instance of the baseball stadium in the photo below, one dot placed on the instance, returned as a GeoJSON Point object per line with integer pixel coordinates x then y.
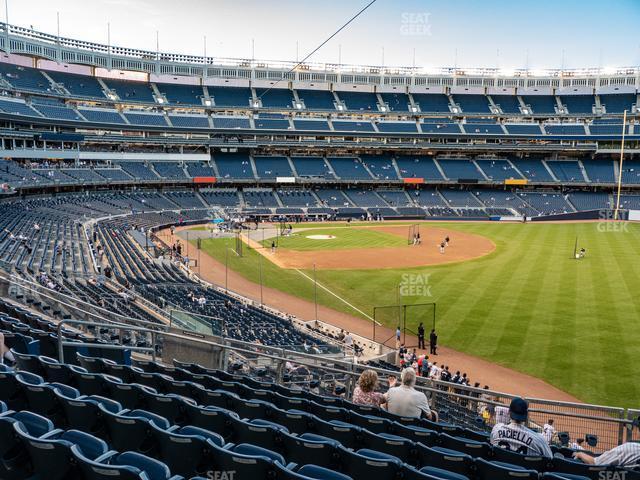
{"type": "Point", "coordinates": [218, 267]}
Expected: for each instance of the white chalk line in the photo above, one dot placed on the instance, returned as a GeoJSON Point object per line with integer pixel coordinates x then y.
{"type": "Point", "coordinates": [337, 296]}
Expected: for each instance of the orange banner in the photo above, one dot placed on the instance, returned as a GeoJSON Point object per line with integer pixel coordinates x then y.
{"type": "Point", "coordinates": [204, 180]}
{"type": "Point", "coordinates": [516, 181]}
{"type": "Point", "coordinates": [413, 180]}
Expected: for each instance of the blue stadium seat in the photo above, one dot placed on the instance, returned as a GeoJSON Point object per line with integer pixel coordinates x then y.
{"type": "Point", "coordinates": [435, 473]}
{"type": "Point", "coordinates": [15, 463]}
{"type": "Point", "coordinates": [125, 466]}
{"type": "Point", "coordinates": [487, 470]}
{"type": "Point", "coordinates": [85, 413]}
{"type": "Point", "coordinates": [248, 461]}
{"type": "Point", "coordinates": [132, 431]}
{"type": "Point", "coordinates": [365, 463]}
{"type": "Point", "coordinates": [562, 465]}
{"type": "Point", "coordinates": [51, 453]}
{"type": "Point", "coordinates": [444, 458]}
{"type": "Point", "coordinates": [308, 472]}
{"type": "Point", "coordinates": [533, 462]}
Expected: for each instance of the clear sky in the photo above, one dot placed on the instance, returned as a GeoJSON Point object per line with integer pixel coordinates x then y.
{"type": "Point", "coordinates": [466, 33]}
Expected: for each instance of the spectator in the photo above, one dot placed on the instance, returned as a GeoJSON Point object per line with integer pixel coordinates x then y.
{"type": "Point", "coordinates": [577, 445]}
{"type": "Point", "coordinates": [515, 436]}
{"type": "Point", "coordinates": [348, 341]}
{"type": "Point", "coordinates": [5, 352]}
{"type": "Point", "coordinates": [625, 455]}
{"type": "Point", "coordinates": [364, 393]}
{"type": "Point", "coordinates": [548, 431]}
{"type": "Point", "coordinates": [405, 400]}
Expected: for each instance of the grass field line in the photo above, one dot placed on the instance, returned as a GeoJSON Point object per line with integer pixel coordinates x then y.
{"type": "Point", "coordinates": [337, 296]}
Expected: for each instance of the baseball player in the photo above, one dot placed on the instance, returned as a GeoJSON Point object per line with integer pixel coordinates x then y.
{"type": "Point", "coordinates": [514, 436]}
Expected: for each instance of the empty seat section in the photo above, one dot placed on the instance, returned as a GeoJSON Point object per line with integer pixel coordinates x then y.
{"type": "Point", "coordinates": [234, 165]}
{"type": "Point", "coordinates": [432, 102]}
{"type": "Point", "coordinates": [177, 94]}
{"type": "Point", "coordinates": [472, 103]}
{"type": "Point", "coordinates": [129, 91]}
{"type": "Point", "coordinates": [578, 103]}
{"type": "Point", "coordinates": [497, 170]}
{"type": "Point", "coordinates": [272, 167]}
{"type": "Point", "coordinates": [359, 101]}
{"type": "Point", "coordinates": [349, 168]}
{"type": "Point", "coordinates": [230, 96]}
{"type": "Point", "coordinates": [275, 97]}
{"type": "Point", "coordinates": [380, 166]}
{"type": "Point", "coordinates": [459, 168]}
{"type": "Point", "coordinates": [418, 167]}
{"type": "Point", "coordinates": [507, 103]}
{"type": "Point", "coordinates": [540, 104]}
{"type": "Point", "coordinates": [396, 102]}
{"type": "Point", "coordinates": [312, 167]}
{"type": "Point", "coordinates": [317, 99]}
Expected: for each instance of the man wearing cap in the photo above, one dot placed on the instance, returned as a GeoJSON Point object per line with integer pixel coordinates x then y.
{"type": "Point", "coordinates": [515, 436]}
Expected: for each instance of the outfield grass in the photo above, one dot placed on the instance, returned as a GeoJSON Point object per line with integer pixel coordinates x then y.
{"type": "Point", "coordinates": [345, 238]}
{"type": "Point", "coordinates": [527, 305]}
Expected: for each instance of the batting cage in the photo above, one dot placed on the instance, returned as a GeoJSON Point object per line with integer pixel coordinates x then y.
{"type": "Point", "coordinates": [388, 317]}
{"type": "Point", "coordinates": [413, 234]}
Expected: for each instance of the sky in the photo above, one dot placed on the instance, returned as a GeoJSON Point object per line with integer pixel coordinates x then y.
{"type": "Point", "coordinates": [464, 33]}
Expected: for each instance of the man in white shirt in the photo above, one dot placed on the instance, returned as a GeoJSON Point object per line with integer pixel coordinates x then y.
{"type": "Point", "coordinates": [515, 437]}
{"type": "Point", "coordinates": [625, 455]}
{"type": "Point", "coordinates": [405, 400]}
{"type": "Point", "coordinates": [548, 431]}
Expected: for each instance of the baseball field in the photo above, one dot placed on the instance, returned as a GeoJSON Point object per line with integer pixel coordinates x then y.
{"type": "Point", "coordinates": [509, 293]}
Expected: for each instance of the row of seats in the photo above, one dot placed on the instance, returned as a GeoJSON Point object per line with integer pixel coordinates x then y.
{"type": "Point", "coordinates": [193, 439]}
{"type": "Point", "coordinates": [84, 86]}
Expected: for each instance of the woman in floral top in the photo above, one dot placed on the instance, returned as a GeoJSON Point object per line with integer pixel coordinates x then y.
{"type": "Point", "coordinates": [364, 393]}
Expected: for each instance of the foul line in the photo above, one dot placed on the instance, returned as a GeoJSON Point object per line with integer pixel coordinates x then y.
{"type": "Point", "coordinates": [338, 297]}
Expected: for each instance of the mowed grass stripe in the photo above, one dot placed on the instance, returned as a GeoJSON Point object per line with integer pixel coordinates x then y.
{"type": "Point", "coordinates": [477, 325]}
